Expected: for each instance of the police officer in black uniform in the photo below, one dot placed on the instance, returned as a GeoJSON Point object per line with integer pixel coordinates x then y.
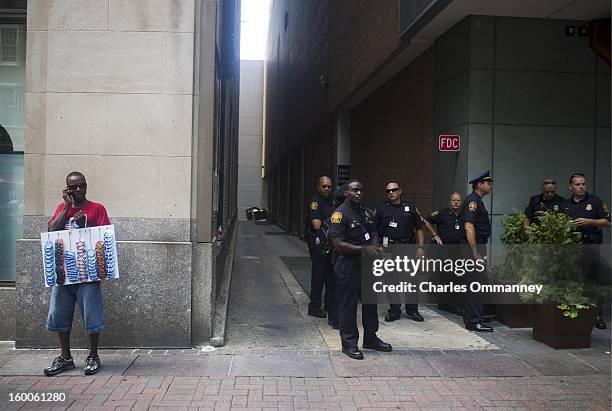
{"type": "Point", "coordinates": [548, 200]}
{"type": "Point", "coordinates": [449, 230]}
{"type": "Point", "coordinates": [477, 232]}
{"type": "Point", "coordinates": [449, 225]}
{"type": "Point", "coordinates": [318, 209]}
{"type": "Point", "coordinates": [589, 214]}
{"type": "Point", "coordinates": [352, 232]}
{"type": "Point", "coordinates": [398, 222]}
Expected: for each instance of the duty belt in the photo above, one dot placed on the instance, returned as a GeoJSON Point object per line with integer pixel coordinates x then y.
{"type": "Point", "coordinates": [400, 241]}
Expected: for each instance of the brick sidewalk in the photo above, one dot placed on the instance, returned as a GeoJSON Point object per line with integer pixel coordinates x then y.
{"type": "Point", "coordinates": [135, 392]}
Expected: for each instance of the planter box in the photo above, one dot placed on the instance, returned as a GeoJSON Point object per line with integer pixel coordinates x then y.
{"type": "Point", "coordinates": [553, 329]}
{"type": "Point", "coordinates": [514, 315]}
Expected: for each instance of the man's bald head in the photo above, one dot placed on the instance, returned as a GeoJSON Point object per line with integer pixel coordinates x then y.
{"type": "Point", "coordinates": [324, 186]}
{"type": "Point", "coordinates": [454, 201]}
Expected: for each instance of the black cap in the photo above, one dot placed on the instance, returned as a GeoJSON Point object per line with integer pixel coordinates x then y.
{"type": "Point", "coordinates": [484, 176]}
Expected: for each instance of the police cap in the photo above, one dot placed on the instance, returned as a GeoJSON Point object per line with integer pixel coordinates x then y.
{"type": "Point", "coordinates": [484, 176]}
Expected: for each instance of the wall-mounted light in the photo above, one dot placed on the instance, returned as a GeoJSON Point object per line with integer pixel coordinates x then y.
{"type": "Point", "coordinates": [570, 30]}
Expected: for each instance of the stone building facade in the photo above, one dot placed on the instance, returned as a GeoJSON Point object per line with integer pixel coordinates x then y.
{"type": "Point", "coordinates": [142, 97]}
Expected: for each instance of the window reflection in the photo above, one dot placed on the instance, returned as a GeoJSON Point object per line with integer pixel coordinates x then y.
{"type": "Point", "coordinates": [12, 78]}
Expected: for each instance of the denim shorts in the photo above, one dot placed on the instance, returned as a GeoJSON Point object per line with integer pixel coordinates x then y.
{"type": "Point", "coordinates": [61, 307]}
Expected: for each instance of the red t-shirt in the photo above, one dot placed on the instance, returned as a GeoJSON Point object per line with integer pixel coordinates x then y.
{"type": "Point", "coordinates": [95, 212]}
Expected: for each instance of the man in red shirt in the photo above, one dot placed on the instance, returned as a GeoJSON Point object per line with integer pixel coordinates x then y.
{"type": "Point", "coordinates": [76, 212]}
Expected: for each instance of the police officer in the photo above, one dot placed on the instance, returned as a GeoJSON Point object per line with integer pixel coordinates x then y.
{"type": "Point", "coordinates": [319, 207]}
{"type": "Point", "coordinates": [477, 232]}
{"type": "Point", "coordinates": [352, 232]}
{"type": "Point", "coordinates": [398, 222]}
{"type": "Point", "coordinates": [538, 204]}
{"type": "Point", "coordinates": [449, 230]}
{"type": "Point", "coordinates": [449, 225]}
{"type": "Point", "coordinates": [589, 214]}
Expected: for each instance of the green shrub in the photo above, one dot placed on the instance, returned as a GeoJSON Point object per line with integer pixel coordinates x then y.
{"type": "Point", "coordinates": [547, 253]}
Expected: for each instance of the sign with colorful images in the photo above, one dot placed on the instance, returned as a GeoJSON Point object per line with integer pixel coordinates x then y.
{"type": "Point", "coordinates": [79, 255]}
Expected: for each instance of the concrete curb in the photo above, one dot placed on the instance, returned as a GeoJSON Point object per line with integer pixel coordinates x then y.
{"type": "Point", "coordinates": [220, 320]}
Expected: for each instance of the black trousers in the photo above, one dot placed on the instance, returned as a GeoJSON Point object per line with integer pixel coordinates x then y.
{"type": "Point", "coordinates": [322, 274]}
{"type": "Point", "coordinates": [348, 292]}
{"type": "Point", "coordinates": [472, 313]}
{"type": "Point", "coordinates": [410, 308]}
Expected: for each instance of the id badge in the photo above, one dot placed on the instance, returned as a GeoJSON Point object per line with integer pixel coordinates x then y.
{"type": "Point", "coordinates": [367, 236]}
{"type": "Point", "coordinates": [393, 224]}
{"type": "Point", "coordinates": [456, 226]}
{"type": "Point", "coordinates": [385, 241]}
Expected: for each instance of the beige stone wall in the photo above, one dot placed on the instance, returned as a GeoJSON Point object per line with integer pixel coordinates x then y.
{"type": "Point", "coordinates": [250, 135]}
{"type": "Point", "coordinates": [109, 92]}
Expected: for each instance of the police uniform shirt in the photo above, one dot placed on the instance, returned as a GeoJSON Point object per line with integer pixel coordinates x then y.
{"type": "Point", "coordinates": [318, 209]}
{"type": "Point", "coordinates": [473, 211]}
{"type": "Point", "coordinates": [354, 224]}
{"type": "Point", "coordinates": [589, 207]}
{"type": "Point", "coordinates": [397, 221]}
{"type": "Point", "coordinates": [537, 206]}
{"type": "Point", "coordinates": [449, 226]}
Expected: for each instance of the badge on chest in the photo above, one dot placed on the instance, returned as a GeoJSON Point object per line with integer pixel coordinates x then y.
{"type": "Point", "coordinates": [393, 224]}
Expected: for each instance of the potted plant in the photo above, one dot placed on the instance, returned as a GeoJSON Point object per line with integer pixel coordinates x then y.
{"type": "Point", "coordinates": [564, 311]}
{"type": "Point", "coordinates": [511, 313]}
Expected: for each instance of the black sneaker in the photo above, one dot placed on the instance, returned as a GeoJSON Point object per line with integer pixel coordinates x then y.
{"type": "Point", "coordinates": [60, 364]}
{"type": "Point", "coordinates": [92, 365]}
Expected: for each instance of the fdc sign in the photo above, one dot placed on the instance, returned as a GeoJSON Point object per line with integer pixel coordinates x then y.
{"type": "Point", "coordinates": [449, 143]}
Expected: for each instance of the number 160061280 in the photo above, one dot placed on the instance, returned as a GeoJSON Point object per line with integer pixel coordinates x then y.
{"type": "Point", "coordinates": [37, 397]}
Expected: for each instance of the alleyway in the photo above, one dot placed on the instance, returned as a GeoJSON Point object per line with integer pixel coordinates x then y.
{"type": "Point", "coordinates": [262, 311]}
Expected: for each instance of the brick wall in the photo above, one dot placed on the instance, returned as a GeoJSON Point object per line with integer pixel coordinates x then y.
{"type": "Point", "coordinates": [392, 132]}
{"type": "Point", "coordinates": [345, 40]}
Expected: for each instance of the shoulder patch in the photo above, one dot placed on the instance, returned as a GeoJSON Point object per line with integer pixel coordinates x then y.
{"type": "Point", "coordinates": [435, 213]}
{"type": "Point", "coordinates": [472, 206]}
{"type": "Point", "coordinates": [336, 217]}
{"type": "Point", "coordinates": [314, 205]}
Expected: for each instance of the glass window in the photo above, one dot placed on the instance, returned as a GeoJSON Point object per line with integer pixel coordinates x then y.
{"type": "Point", "coordinates": [12, 79]}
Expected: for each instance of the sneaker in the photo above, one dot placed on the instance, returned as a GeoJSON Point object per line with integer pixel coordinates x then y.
{"type": "Point", "coordinates": [92, 365]}
{"type": "Point", "coordinates": [60, 364]}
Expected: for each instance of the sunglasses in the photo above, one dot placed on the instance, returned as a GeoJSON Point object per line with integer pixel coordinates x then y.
{"type": "Point", "coordinates": [392, 190]}
{"type": "Point", "coordinates": [546, 183]}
